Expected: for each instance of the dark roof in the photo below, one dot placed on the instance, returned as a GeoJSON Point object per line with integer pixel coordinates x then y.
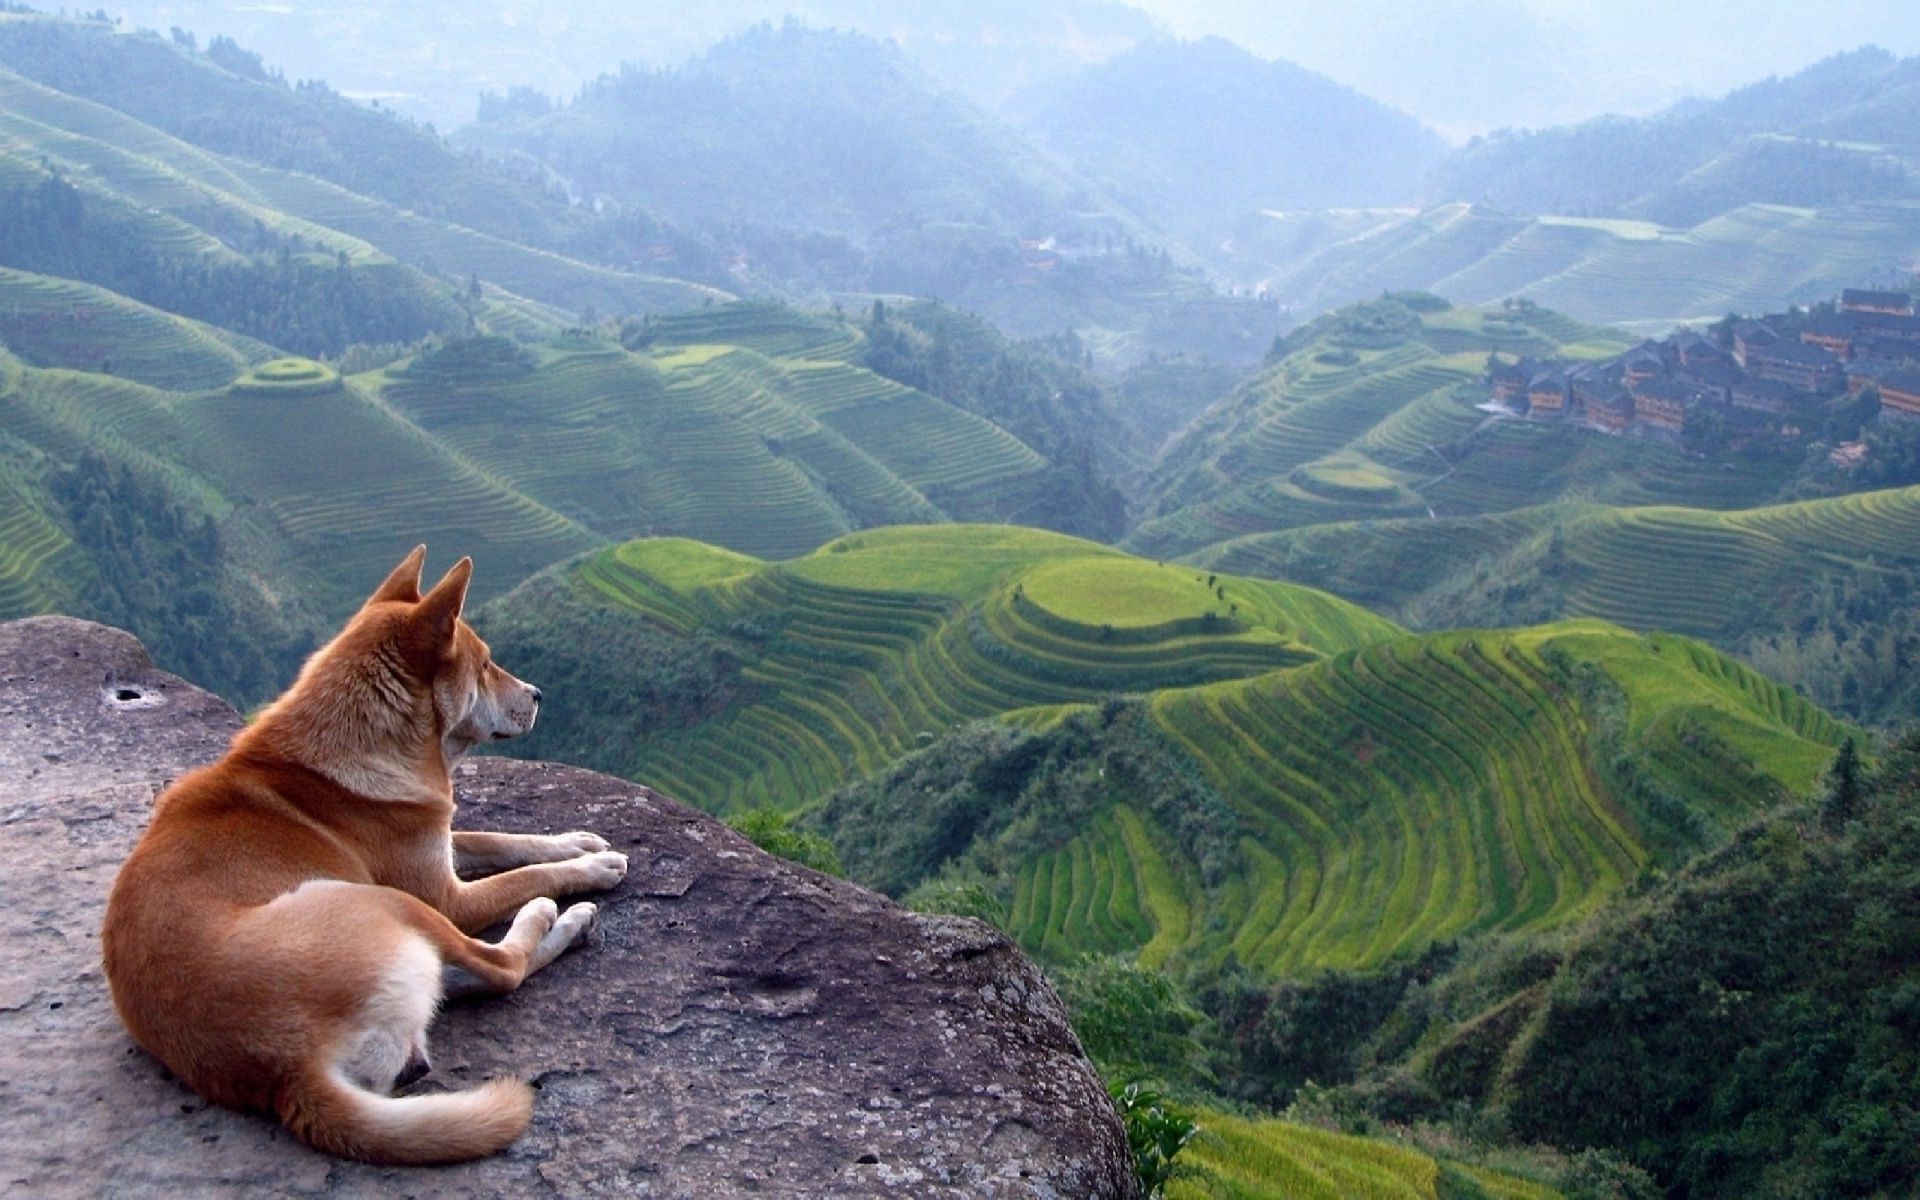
{"type": "Point", "coordinates": [1712, 374]}
{"type": "Point", "coordinates": [1802, 353]}
{"type": "Point", "coordinates": [1548, 379]}
{"type": "Point", "coordinates": [1906, 379]}
{"type": "Point", "coordinates": [1906, 328]}
{"type": "Point", "coordinates": [1755, 331]}
{"type": "Point", "coordinates": [1840, 327]}
{"type": "Point", "coordinates": [1876, 299]}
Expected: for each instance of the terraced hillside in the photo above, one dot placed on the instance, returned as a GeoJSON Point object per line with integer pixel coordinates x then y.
{"type": "Point", "coordinates": [770, 451]}
{"type": "Point", "coordinates": [1236, 1157]}
{"type": "Point", "coordinates": [60, 323]}
{"type": "Point", "coordinates": [1630, 273]}
{"type": "Point", "coordinates": [1366, 416]}
{"type": "Point", "coordinates": [1819, 593]}
{"type": "Point", "coordinates": [845, 658]}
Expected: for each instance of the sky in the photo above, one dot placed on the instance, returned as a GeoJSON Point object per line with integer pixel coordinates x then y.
{"type": "Point", "coordinates": [1470, 66]}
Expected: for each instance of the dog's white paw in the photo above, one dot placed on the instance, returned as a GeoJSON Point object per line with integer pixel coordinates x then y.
{"type": "Point", "coordinates": [540, 912]}
{"type": "Point", "coordinates": [578, 842]}
{"type": "Point", "coordinates": [604, 869]}
{"type": "Point", "coordinates": [575, 923]}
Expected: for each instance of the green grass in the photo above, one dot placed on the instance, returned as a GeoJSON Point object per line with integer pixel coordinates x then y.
{"type": "Point", "coordinates": [718, 442]}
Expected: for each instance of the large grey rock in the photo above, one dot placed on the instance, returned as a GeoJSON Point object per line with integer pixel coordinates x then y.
{"type": "Point", "coordinates": [738, 1025]}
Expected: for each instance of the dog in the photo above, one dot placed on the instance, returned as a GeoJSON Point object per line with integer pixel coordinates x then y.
{"type": "Point", "coordinates": [285, 930]}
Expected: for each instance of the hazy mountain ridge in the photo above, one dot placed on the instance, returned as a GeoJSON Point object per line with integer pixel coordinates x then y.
{"type": "Point", "coordinates": [1843, 130]}
{"type": "Point", "coordinates": [1198, 134]}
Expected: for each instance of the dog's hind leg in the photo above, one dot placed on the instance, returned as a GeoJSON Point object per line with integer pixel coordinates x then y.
{"type": "Point", "coordinates": [389, 1047]}
{"type": "Point", "coordinates": [570, 927]}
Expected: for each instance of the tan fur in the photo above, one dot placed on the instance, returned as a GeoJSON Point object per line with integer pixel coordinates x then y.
{"type": "Point", "coordinates": [277, 938]}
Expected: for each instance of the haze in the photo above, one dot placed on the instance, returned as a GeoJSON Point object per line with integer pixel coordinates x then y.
{"type": "Point", "coordinates": [1463, 67]}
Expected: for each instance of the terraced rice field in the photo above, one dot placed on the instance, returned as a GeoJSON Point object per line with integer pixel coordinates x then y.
{"type": "Point", "coordinates": [771, 456]}
{"type": "Point", "coordinates": [1235, 1158]}
{"type": "Point", "coordinates": [887, 634]}
{"type": "Point", "coordinates": [1705, 572]}
{"type": "Point", "coordinates": [539, 275]}
{"type": "Point", "coordinates": [32, 547]}
{"type": "Point", "coordinates": [1432, 786]}
{"type": "Point", "coordinates": [59, 323]}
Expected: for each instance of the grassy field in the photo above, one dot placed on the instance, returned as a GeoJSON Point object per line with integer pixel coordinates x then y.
{"type": "Point", "coordinates": [59, 323]}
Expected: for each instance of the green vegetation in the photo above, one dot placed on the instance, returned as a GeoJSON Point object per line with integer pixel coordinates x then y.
{"type": "Point", "coordinates": [1741, 1027]}
{"type": "Point", "coordinates": [773, 831]}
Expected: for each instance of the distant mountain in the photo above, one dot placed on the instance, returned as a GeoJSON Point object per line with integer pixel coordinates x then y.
{"type": "Point", "coordinates": [1844, 130]}
{"type": "Point", "coordinates": [797, 128]}
{"type": "Point", "coordinates": [1198, 134]}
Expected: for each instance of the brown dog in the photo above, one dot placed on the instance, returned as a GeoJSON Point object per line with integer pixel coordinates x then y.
{"type": "Point", "coordinates": [278, 936]}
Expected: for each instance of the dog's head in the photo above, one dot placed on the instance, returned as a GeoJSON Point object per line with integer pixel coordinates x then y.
{"type": "Point", "coordinates": [474, 700]}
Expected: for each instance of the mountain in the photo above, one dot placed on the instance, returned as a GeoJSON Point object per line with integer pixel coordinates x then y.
{"type": "Point", "coordinates": [1842, 131]}
{"type": "Point", "coordinates": [1199, 134]}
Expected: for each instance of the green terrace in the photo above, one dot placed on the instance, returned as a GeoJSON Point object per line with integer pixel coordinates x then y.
{"type": "Point", "coordinates": [884, 638]}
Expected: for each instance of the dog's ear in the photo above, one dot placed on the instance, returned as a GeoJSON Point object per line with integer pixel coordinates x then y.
{"type": "Point", "coordinates": [404, 583]}
{"type": "Point", "coordinates": [440, 609]}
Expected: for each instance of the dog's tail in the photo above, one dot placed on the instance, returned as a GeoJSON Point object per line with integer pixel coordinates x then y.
{"type": "Point", "coordinates": [330, 1113]}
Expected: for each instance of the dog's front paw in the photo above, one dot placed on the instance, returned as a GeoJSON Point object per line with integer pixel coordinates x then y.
{"type": "Point", "coordinates": [578, 842]}
{"type": "Point", "coordinates": [603, 869]}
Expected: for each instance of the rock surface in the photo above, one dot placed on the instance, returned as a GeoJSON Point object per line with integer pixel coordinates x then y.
{"type": "Point", "coordinates": [738, 1025]}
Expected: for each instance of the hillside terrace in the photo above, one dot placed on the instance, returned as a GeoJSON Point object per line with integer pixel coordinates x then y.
{"type": "Point", "coordinates": [1766, 376]}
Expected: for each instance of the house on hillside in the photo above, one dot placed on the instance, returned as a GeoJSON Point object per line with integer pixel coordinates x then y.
{"type": "Point", "coordinates": [1900, 395]}
{"type": "Point", "coordinates": [1809, 368]}
{"type": "Point", "coordinates": [1663, 403]}
{"type": "Point", "coordinates": [1641, 363]}
{"type": "Point", "coordinates": [1749, 336]}
{"type": "Point", "coordinates": [1547, 395]}
{"type": "Point", "coordinates": [1598, 397]}
{"type": "Point", "coordinates": [1509, 379]}
{"type": "Point", "coordinates": [1860, 300]}
{"type": "Point", "coordinates": [1832, 334]}
{"type": "Point", "coordinates": [1692, 350]}
{"type": "Point", "coordinates": [1714, 380]}
{"type": "Point", "coordinates": [1888, 328]}
{"type": "Point", "coordinates": [1764, 400]}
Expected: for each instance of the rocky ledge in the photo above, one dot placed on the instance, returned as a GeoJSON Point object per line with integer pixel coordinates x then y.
{"type": "Point", "coordinates": [738, 1025]}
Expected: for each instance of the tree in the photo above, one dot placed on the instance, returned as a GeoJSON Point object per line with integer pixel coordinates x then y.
{"type": "Point", "coordinates": [1841, 803]}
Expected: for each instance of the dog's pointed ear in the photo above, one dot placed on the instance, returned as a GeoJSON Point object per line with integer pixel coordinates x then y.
{"type": "Point", "coordinates": [404, 583]}
{"type": "Point", "coordinates": [440, 608]}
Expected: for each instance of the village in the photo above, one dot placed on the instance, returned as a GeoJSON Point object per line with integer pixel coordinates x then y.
{"type": "Point", "coordinates": [1767, 376]}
